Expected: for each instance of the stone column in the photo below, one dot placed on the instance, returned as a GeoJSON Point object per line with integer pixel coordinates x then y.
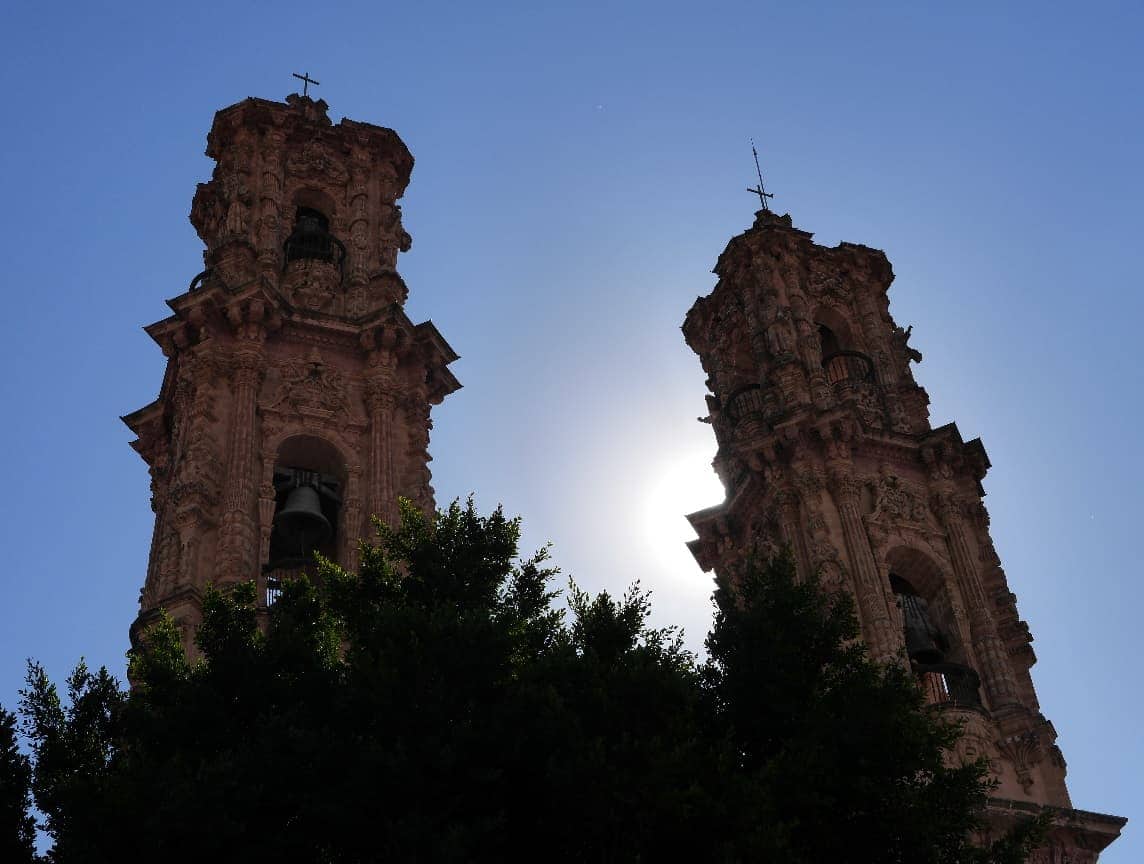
{"type": "Point", "coordinates": [153, 446]}
{"type": "Point", "coordinates": [267, 502]}
{"type": "Point", "coordinates": [416, 425]}
{"type": "Point", "coordinates": [878, 627]}
{"type": "Point", "coordinates": [239, 540]}
{"type": "Point", "coordinates": [270, 223]}
{"type": "Point", "coordinates": [381, 400]}
{"type": "Point", "coordinates": [987, 647]}
{"type": "Point", "coordinates": [787, 501]}
{"type": "Point", "coordinates": [351, 519]}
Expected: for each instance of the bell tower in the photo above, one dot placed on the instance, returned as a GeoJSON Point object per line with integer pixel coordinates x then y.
{"type": "Point", "coordinates": [296, 400]}
{"type": "Point", "coordinates": [825, 446]}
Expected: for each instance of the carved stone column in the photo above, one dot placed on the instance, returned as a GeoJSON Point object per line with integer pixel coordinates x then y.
{"type": "Point", "coordinates": [417, 424]}
{"type": "Point", "coordinates": [352, 530]}
{"type": "Point", "coordinates": [787, 501]}
{"type": "Point", "coordinates": [267, 502]}
{"type": "Point", "coordinates": [160, 484]}
{"type": "Point", "coordinates": [239, 536]}
{"type": "Point", "coordinates": [987, 645]}
{"type": "Point", "coordinates": [381, 399]}
{"type": "Point", "coordinates": [270, 222]}
{"type": "Point", "coordinates": [871, 589]}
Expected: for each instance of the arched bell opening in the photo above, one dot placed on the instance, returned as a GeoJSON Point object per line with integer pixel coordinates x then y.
{"type": "Point", "coordinates": [925, 642]}
{"type": "Point", "coordinates": [309, 481]}
{"type": "Point", "coordinates": [930, 630]}
{"type": "Point", "coordinates": [311, 240]}
{"type": "Point", "coordinates": [840, 361]}
{"type": "Point", "coordinates": [833, 330]}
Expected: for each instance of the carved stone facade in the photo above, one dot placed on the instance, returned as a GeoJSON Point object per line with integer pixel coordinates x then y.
{"type": "Point", "coordinates": [825, 446]}
{"type": "Point", "coordinates": [289, 356]}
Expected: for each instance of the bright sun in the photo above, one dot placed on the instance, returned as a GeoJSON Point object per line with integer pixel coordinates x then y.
{"type": "Point", "coordinates": [683, 484]}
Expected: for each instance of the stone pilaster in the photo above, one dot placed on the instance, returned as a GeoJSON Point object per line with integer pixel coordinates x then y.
{"type": "Point", "coordinates": [353, 530]}
{"type": "Point", "coordinates": [787, 503]}
{"type": "Point", "coordinates": [987, 646]}
{"type": "Point", "coordinates": [381, 402]}
{"type": "Point", "coordinates": [870, 587]}
{"type": "Point", "coordinates": [239, 539]}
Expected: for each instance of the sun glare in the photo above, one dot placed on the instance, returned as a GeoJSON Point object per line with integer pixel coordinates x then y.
{"type": "Point", "coordinates": [683, 485]}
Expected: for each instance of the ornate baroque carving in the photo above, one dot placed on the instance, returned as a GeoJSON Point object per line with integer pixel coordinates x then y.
{"type": "Point", "coordinates": [310, 385]}
{"type": "Point", "coordinates": [317, 162]}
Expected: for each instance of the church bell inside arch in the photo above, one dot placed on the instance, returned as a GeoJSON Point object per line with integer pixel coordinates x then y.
{"type": "Point", "coordinates": [305, 516]}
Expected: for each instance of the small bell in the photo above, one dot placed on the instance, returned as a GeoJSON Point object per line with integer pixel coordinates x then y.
{"type": "Point", "coordinates": [310, 237]}
{"type": "Point", "coordinates": [301, 520]}
{"type": "Point", "coordinates": [921, 638]}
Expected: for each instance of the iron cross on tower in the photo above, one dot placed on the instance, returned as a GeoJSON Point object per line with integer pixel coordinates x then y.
{"type": "Point", "coordinates": [305, 77]}
{"type": "Point", "coordinates": [759, 190]}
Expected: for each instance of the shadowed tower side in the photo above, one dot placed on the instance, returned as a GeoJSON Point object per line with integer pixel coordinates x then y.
{"type": "Point", "coordinates": [825, 445]}
{"type": "Point", "coordinates": [297, 396]}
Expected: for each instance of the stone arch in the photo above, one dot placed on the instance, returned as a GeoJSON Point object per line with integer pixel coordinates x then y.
{"type": "Point", "coordinates": [834, 330]}
{"type": "Point", "coordinates": [318, 449]}
{"type": "Point", "coordinates": [925, 576]}
{"type": "Point", "coordinates": [347, 453]}
{"type": "Point", "coordinates": [917, 567]}
{"type": "Point", "coordinates": [927, 598]}
{"type": "Point", "coordinates": [313, 452]}
{"type": "Point", "coordinates": [315, 199]}
{"type": "Point", "coordinates": [328, 436]}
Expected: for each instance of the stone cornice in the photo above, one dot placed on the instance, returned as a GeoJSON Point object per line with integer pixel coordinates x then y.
{"type": "Point", "coordinates": [1098, 829]}
{"type": "Point", "coordinates": [203, 307]}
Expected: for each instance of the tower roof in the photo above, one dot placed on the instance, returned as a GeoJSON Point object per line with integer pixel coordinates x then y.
{"type": "Point", "coordinates": [302, 115]}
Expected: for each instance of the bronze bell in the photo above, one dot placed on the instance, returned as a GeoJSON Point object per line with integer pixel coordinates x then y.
{"type": "Point", "coordinates": [310, 237]}
{"type": "Point", "coordinates": [310, 224]}
{"type": "Point", "coordinates": [302, 521]}
{"type": "Point", "coordinates": [921, 637]}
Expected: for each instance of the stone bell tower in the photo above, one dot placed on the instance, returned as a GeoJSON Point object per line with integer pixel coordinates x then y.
{"type": "Point", "coordinates": [825, 446]}
{"type": "Point", "coordinates": [297, 394]}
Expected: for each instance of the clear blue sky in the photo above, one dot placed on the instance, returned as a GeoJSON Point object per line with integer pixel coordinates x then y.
{"type": "Point", "coordinates": [579, 169]}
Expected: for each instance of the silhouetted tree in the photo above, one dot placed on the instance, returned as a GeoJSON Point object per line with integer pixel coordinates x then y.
{"type": "Point", "coordinates": [17, 827]}
{"type": "Point", "coordinates": [438, 706]}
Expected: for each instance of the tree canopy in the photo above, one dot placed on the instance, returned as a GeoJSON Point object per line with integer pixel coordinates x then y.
{"type": "Point", "coordinates": [440, 705]}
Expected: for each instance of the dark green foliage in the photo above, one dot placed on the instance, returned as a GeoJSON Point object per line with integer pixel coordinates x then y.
{"type": "Point", "coordinates": [838, 750]}
{"type": "Point", "coordinates": [74, 745]}
{"type": "Point", "coordinates": [17, 828]}
{"type": "Point", "coordinates": [437, 707]}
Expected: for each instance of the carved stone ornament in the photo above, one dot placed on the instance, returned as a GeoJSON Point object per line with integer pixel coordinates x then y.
{"type": "Point", "coordinates": [725, 324]}
{"type": "Point", "coordinates": [311, 283]}
{"type": "Point", "coordinates": [317, 162]}
{"type": "Point", "coordinates": [897, 501]}
{"type": "Point", "coordinates": [822, 551]}
{"type": "Point", "coordinates": [1024, 753]}
{"type": "Point", "coordinates": [357, 301]}
{"type": "Point", "coordinates": [237, 195]}
{"type": "Point", "coordinates": [975, 742]}
{"type": "Point", "coordinates": [310, 385]}
{"type": "Point", "coordinates": [868, 401]}
{"type": "Point", "coordinates": [763, 538]}
{"type": "Point", "coordinates": [900, 417]}
{"type": "Point", "coordinates": [824, 279]}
